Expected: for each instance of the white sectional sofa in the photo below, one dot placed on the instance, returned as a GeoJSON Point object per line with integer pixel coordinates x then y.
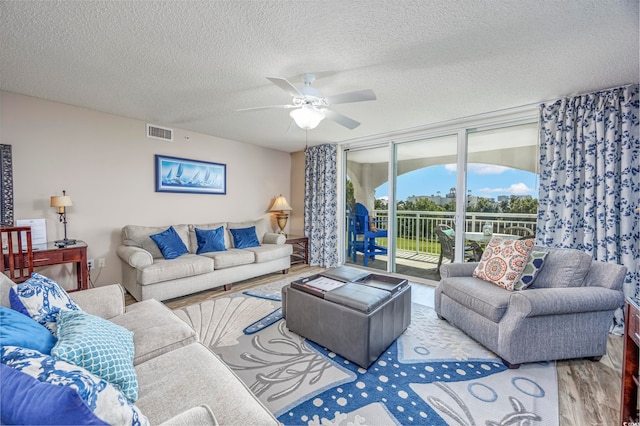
{"type": "Point", "coordinates": [148, 275]}
{"type": "Point", "coordinates": [180, 381]}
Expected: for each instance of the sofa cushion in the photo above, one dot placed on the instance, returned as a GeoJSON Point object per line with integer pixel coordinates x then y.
{"type": "Point", "coordinates": [155, 328]}
{"type": "Point", "coordinates": [169, 243]}
{"type": "Point", "coordinates": [260, 224]}
{"type": "Point", "coordinates": [268, 252]}
{"type": "Point", "coordinates": [245, 237]}
{"type": "Point", "coordinates": [534, 265]}
{"type": "Point", "coordinates": [186, 265]}
{"type": "Point", "coordinates": [42, 299]}
{"type": "Point", "coordinates": [503, 261]}
{"type": "Point", "coordinates": [201, 379]}
{"type": "Point", "coordinates": [106, 402]}
{"type": "Point", "coordinates": [193, 241]}
{"type": "Point", "coordinates": [483, 297]}
{"type": "Point", "coordinates": [17, 329]}
{"type": "Point", "coordinates": [100, 346]}
{"type": "Point", "coordinates": [231, 257]}
{"type": "Point", "coordinates": [562, 268]}
{"type": "Point", "coordinates": [140, 236]}
{"type": "Point", "coordinates": [210, 240]}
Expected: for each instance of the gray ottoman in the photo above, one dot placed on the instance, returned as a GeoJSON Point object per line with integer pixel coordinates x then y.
{"type": "Point", "coordinates": [351, 332]}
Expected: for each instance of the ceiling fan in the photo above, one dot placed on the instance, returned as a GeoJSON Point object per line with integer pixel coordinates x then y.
{"type": "Point", "coordinates": [310, 106]}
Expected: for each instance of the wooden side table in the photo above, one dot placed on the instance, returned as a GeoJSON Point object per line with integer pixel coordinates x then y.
{"type": "Point", "coordinates": [630, 364]}
{"type": "Point", "coordinates": [300, 248]}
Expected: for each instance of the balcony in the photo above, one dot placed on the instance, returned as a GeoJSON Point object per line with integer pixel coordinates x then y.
{"type": "Point", "coordinates": [418, 248]}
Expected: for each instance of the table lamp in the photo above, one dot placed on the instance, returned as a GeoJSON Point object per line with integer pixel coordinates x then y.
{"type": "Point", "coordinates": [62, 202]}
{"type": "Point", "coordinates": [280, 206]}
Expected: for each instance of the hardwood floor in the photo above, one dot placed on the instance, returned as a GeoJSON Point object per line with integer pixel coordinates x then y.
{"type": "Point", "coordinates": [589, 392]}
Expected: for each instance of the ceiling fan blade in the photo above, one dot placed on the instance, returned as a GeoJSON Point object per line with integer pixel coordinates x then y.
{"type": "Point", "coordinates": [284, 84]}
{"type": "Point", "coordinates": [267, 107]}
{"type": "Point", "coordinates": [343, 120]}
{"type": "Point", "coordinates": [357, 96]}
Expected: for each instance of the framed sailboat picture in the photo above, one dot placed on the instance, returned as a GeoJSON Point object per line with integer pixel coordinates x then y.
{"type": "Point", "coordinates": [183, 175]}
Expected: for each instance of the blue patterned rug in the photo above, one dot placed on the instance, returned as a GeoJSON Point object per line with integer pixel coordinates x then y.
{"type": "Point", "coordinates": [432, 375]}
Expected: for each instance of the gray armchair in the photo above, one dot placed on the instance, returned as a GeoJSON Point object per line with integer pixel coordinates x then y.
{"type": "Point", "coordinates": [566, 313]}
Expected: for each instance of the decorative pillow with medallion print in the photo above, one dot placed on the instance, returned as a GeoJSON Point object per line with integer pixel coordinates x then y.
{"type": "Point", "coordinates": [503, 261]}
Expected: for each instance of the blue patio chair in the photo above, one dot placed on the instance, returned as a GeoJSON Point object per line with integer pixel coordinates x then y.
{"type": "Point", "coordinates": [363, 231]}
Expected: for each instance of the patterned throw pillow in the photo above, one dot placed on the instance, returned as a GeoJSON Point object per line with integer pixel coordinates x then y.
{"type": "Point", "coordinates": [535, 262]}
{"type": "Point", "coordinates": [106, 402]}
{"type": "Point", "coordinates": [102, 347]}
{"type": "Point", "coordinates": [42, 299]}
{"type": "Point", "coordinates": [503, 261]}
{"type": "Point", "coordinates": [170, 244]}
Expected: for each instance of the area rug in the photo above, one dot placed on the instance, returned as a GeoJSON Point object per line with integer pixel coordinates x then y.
{"type": "Point", "coordinates": [433, 374]}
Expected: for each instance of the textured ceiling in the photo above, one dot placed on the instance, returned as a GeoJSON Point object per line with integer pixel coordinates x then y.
{"type": "Point", "coordinates": [191, 64]}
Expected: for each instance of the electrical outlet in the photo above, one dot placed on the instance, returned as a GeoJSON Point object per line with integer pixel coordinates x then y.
{"type": "Point", "coordinates": [90, 263]}
{"type": "Point", "coordinates": [101, 262]}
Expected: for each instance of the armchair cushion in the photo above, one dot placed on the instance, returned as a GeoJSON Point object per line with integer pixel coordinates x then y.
{"type": "Point", "coordinates": [482, 297]}
{"type": "Point", "coordinates": [562, 268]}
{"type": "Point", "coordinates": [503, 261]}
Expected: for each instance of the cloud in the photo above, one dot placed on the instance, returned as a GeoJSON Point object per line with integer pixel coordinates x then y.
{"type": "Point", "coordinates": [384, 198]}
{"type": "Point", "coordinates": [515, 189]}
{"type": "Point", "coordinates": [479, 169]}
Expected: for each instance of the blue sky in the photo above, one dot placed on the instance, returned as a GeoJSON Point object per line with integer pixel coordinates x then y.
{"type": "Point", "coordinates": [482, 179]}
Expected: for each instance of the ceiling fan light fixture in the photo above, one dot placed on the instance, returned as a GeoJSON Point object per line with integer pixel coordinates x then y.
{"type": "Point", "coordinates": [307, 117]}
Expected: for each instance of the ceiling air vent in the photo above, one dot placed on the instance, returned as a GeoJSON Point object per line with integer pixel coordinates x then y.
{"type": "Point", "coordinates": [157, 132]}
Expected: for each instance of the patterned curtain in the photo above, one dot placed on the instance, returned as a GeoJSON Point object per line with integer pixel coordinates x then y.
{"type": "Point", "coordinates": [321, 205]}
{"type": "Point", "coordinates": [590, 179]}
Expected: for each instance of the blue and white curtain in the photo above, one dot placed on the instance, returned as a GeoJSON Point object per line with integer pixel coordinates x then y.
{"type": "Point", "coordinates": [321, 205]}
{"type": "Point", "coordinates": [590, 179]}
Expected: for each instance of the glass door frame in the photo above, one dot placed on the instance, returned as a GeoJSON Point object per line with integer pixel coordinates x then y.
{"type": "Point", "coordinates": [462, 127]}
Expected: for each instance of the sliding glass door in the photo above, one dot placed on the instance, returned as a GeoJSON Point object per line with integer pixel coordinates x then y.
{"type": "Point", "coordinates": [470, 180]}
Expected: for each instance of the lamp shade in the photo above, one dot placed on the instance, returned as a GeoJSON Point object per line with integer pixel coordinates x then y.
{"type": "Point", "coordinates": [307, 117]}
{"type": "Point", "coordinates": [281, 204]}
{"type": "Point", "coordinates": [61, 201]}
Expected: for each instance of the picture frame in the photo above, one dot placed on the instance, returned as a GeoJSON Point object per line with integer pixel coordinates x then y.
{"type": "Point", "coordinates": [6, 187]}
{"type": "Point", "coordinates": [182, 175]}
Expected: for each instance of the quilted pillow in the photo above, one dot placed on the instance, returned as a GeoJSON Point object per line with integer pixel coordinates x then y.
{"type": "Point", "coordinates": [100, 346]}
{"type": "Point", "coordinates": [42, 299]}
{"type": "Point", "coordinates": [17, 329]}
{"type": "Point", "coordinates": [503, 261]}
{"type": "Point", "coordinates": [57, 405]}
{"type": "Point", "coordinates": [170, 244]}
{"type": "Point", "coordinates": [535, 262]}
{"type": "Point", "coordinates": [106, 402]}
{"type": "Point", "coordinates": [210, 240]}
{"type": "Point", "coordinates": [245, 237]}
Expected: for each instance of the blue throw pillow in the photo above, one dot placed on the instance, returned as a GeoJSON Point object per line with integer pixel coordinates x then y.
{"type": "Point", "coordinates": [245, 237]}
{"type": "Point", "coordinates": [17, 329]}
{"type": "Point", "coordinates": [42, 299]}
{"type": "Point", "coordinates": [27, 401]}
{"type": "Point", "coordinates": [169, 243]}
{"type": "Point", "coordinates": [210, 240]}
{"type": "Point", "coordinates": [100, 346]}
{"type": "Point", "coordinates": [535, 262]}
{"type": "Point", "coordinates": [102, 398]}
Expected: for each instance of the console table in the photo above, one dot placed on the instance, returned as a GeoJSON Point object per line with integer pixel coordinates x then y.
{"type": "Point", "coordinates": [630, 364]}
{"type": "Point", "coordinates": [300, 248]}
{"type": "Point", "coordinates": [49, 254]}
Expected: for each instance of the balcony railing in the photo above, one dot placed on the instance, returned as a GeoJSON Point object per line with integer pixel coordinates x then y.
{"type": "Point", "coordinates": [415, 229]}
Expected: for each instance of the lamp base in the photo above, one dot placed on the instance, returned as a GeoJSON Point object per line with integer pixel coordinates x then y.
{"type": "Point", "coordinates": [282, 222]}
{"type": "Point", "coordinates": [64, 243]}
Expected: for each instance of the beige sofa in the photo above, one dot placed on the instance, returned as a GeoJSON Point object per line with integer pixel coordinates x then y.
{"type": "Point", "coordinates": [147, 275]}
{"type": "Point", "coordinates": [181, 382]}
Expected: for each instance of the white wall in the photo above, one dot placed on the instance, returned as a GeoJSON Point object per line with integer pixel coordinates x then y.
{"type": "Point", "coordinates": [106, 164]}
